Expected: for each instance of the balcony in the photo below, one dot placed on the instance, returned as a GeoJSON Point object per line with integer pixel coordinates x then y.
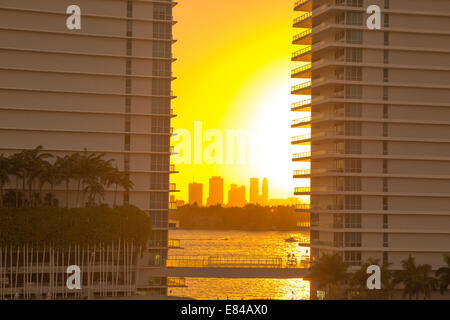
{"type": "Point", "coordinates": [304, 156]}
{"type": "Point", "coordinates": [303, 139]}
{"type": "Point", "coordinates": [303, 38]}
{"type": "Point", "coordinates": [173, 187]}
{"type": "Point", "coordinates": [173, 205]}
{"type": "Point", "coordinates": [303, 72]}
{"type": "Point", "coordinates": [303, 207]}
{"type": "Point", "coordinates": [303, 88]}
{"type": "Point", "coordinates": [302, 191]}
{"type": "Point", "coordinates": [304, 105]}
{"type": "Point", "coordinates": [304, 21]}
{"type": "Point", "coordinates": [303, 122]}
{"type": "Point", "coordinates": [303, 55]}
{"type": "Point", "coordinates": [303, 5]}
{"type": "Point", "coordinates": [303, 226]}
{"type": "Point", "coordinates": [176, 282]}
{"type": "Point", "coordinates": [302, 173]}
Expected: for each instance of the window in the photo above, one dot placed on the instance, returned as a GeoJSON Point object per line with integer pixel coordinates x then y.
{"type": "Point", "coordinates": [385, 240]}
{"type": "Point", "coordinates": [160, 106]}
{"type": "Point", "coordinates": [353, 110]}
{"type": "Point", "coordinates": [162, 30]}
{"type": "Point", "coordinates": [352, 239]}
{"type": "Point", "coordinates": [386, 57]}
{"type": "Point", "coordinates": [161, 87]}
{"type": "Point", "coordinates": [386, 20]}
{"type": "Point", "coordinates": [352, 183]}
{"type": "Point", "coordinates": [385, 129]}
{"type": "Point", "coordinates": [160, 125]}
{"type": "Point", "coordinates": [127, 104]}
{"type": "Point", "coordinates": [385, 166]}
{"type": "Point", "coordinates": [127, 142]}
{"type": "Point", "coordinates": [159, 163]}
{"type": "Point", "coordinates": [353, 73]}
{"type": "Point", "coordinates": [315, 219]}
{"type": "Point", "coordinates": [354, 36]}
{"type": "Point", "coordinates": [159, 200]}
{"type": "Point", "coordinates": [128, 85]}
{"type": "Point", "coordinates": [385, 111]}
{"type": "Point", "coordinates": [353, 147]}
{"type": "Point", "coordinates": [385, 203]}
{"type": "Point", "coordinates": [161, 49]}
{"type": "Point", "coordinates": [353, 258]}
{"type": "Point", "coordinates": [386, 4]}
{"type": "Point", "coordinates": [126, 162]}
{"type": "Point", "coordinates": [352, 165]}
{"type": "Point", "coordinates": [350, 3]}
{"type": "Point", "coordinates": [385, 93]}
{"type": "Point", "coordinates": [339, 36]}
{"type": "Point", "coordinates": [354, 18]}
{"type": "Point", "coordinates": [315, 235]}
{"type": "Point", "coordinates": [353, 55]}
{"type": "Point", "coordinates": [385, 75]}
{"type": "Point", "coordinates": [385, 185]}
{"type": "Point", "coordinates": [385, 257]}
{"type": "Point", "coordinates": [129, 47]}
{"type": "Point", "coordinates": [130, 8]}
{"type": "Point", "coordinates": [160, 144]}
{"type": "Point", "coordinates": [338, 240]}
{"type": "Point", "coordinates": [385, 221]}
{"type": "Point", "coordinates": [161, 68]}
{"type": "Point", "coordinates": [386, 38]}
{"type": "Point", "coordinates": [162, 12]}
{"type": "Point", "coordinates": [127, 123]}
{"type": "Point", "coordinates": [385, 148]}
{"type": "Point", "coordinates": [159, 181]}
{"type": "Point", "coordinates": [352, 220]}
{"type": "Point", "coordinates": [353, 202]}
{"type": "Point", "coordinates": [129, 28]}
{"type": "Point", "coordinates": [338, 221]}
{"type": "Point", "coordinates": [353, 128]}
{"type": "Point", "coordinates": [353, 92]}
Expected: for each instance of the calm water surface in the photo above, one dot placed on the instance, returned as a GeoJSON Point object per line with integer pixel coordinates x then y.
{"type": "Point", "coordinates": [208, 243]}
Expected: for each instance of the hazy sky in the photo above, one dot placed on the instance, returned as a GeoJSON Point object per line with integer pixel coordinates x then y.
{"type": "Point", "coordinates": [233, 68]}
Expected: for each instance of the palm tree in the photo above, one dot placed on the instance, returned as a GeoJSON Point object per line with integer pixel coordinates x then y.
{"type": "Point", "coordinates": [416, 279]}
{"type": "Point", "coordinates": [17, 168]}
{"type": "Point", "coordinates": [330, 272]}
{"type": "Point", "coordinates": [35, 162]}
{"type": "Point", "coordinates": [443, 274]}
{"type": "Point", "coordinates": [66, 169]}
{"type": "Point", "coordinates": [5, 165]}
{"type": "Point", "coordinates": [48, 174]}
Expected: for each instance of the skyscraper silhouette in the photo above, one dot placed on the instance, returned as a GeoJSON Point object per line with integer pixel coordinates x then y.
{"type": "Point", "coordinates": [265, 192]}
{"type": "Point", "coordinates": [215, 191]}
{"type": "Point", "coordinates": [254, 190]}
{"type": "Point", "coordinates": [196, 194]}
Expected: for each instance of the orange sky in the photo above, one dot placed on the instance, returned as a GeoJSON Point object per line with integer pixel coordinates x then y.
{"type": "Point", "coordinates": [233, 72]}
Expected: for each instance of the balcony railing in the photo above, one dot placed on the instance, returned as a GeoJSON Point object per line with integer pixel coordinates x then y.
{"type": "Point", "coordinates": [301, 86]}
{"type": "Point", "coordinates": [302, 17]}
{"type": "Point", "coordinates": [172, 187]}
{"type": "Point", "coordinates": [302, 138]}
{"type": "Point", "coordinates": [298, 173]}
{"type": "Point", "coordinates": [300, 121]}
{"type": "Point", "coordinates": [302, 190]}
{"type": "Point", "coordinates": [300, 2]}
{"type": "Point", "coordinates": [301, 69]}
{"type": "Point", "coordinates": [300, 103]}
{"type": "Point", "coordinates": [301, 35]}
{"type": "Point", "coordinates": [171, 243]}
{"type": "Point", "coordinates": [173, 205]}
{"type": "Point", "coordinates": [302, 155]}
{"type": "Point", "coordinates": [300, 52]}
{"type": "Point", "coordinates": [176, 282]}
{"type": "Point", "coordinates": [303, 206]}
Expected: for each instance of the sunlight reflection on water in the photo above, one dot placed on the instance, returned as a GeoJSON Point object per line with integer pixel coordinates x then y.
{"type": "Point", "coordinates": [208, 243]}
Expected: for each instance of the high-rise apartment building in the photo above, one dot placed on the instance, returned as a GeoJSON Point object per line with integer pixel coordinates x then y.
{"type": "Point", "coordinates": [264, 192]}
{"type": "Point", "coordinates": [380, 128]}
{"type": "Point", "coordinates": [105, 88]}
{"type": "Point", "coordinates": [254, 190]}
{"type": "Point", "coordinates": [215, 191]}
{"type": "Point", "coordinates": [196, 194]}
{"type": "Point", "coordinates": [236, 196]}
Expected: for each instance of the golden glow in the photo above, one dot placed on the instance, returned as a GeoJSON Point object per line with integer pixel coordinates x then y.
{"type": "Point", "coordinates": [233, 72]}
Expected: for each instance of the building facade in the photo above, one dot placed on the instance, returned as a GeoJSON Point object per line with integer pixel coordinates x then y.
{"type": "Point", "coordinates": [380, 128]}
{"type": "Point", "coordinates": [254, 190]}
{"type": "Point", "coordinates": [236, 196]}
{"type": "Point", "coordinates": [105, 88]}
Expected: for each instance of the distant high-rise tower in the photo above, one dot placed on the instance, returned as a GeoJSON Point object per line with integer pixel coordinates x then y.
{"type": "Point", "coordinates": [254, 190]}
{"type": "Point", "coordinates": [215, 191]}
{"type": "Point", "coordinates": [196, 193]}
{"type": "Point", "coordinates": [265, 192]}
{"type": "Point", "coordinates": [236, 196]}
